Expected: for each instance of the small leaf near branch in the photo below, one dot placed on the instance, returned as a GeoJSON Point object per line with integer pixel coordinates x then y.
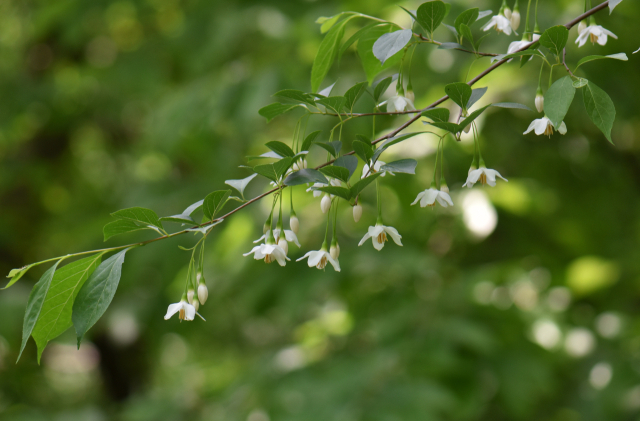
{"type": "Point", "coordinates": [618, 56]}
{"type": "Point", "coordinates": [468, 17]}
{"type": "Point", "coordinates": [16, 274]}
{"type": "Point", "coordinates": [437, 114]}
{"type": "Point", "coordinates": [349, 162]}
{"type": "Point", "coordinates": [600, 108]}
{"type": "Point", "coordinates": [430, 15]}
{"type": "Point", "coordinates": [340, 173]}
{"type": "Point", "coordinates": [143, 216]}
{"type": "Point", "coordinates": [295, 95]}
{"type": "Point", "coordinates": [511, 105]}
{"type": "Point", "coordinates": [307, 175]}
{"type": "Point", "coordinates": [240, 185]}
{"type": "Point", "coordinates": [555, 39]}
{"type": "Point", "coordinates": [214, 202]}
{"type": "Point", "coordinates": [120, 226]}
{"type": "Point", "coordinates": [363, 149]}
{"type": "Point", "coordinates": [337, 191]}
{"type": "Point", "coordinates": [476, 94]}
{"type": "Point", "coordinates": [308, 141]}
{"type": "Point", "coordinates": [281, 148]}
{"type": "Point", "coordinates": [274, 110]}
{"type": "Point", "coordinates": [353, 94]}
{"type": "Point", "coordinates": [332, 147]}
{"type": "Point", "coordinates": [459, 92]}
{"type": "Point", "coordinates": [558, 99]}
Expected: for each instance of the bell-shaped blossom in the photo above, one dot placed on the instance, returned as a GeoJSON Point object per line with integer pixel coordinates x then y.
{"type": "Point", "coordinates": [289, 235]}
{"type": "Point", "coordinates": [517, 45]}
{"type": "Point", "coordinates": [186, 311]}
{"type": "Point", "coordinates": [378, 235]}
{"type": "Point", "coordinates": [594, 33]}
{"type": "Point", "coordinates": [203, 292]}
{"type": "Point", "coordinates": [284, 245]}
{"type": "Point", "coordinates": [376, 168]}
{"type": "Point", "coordinates": [543, 126]}
{"type": "Point", "coordinates": [357, 212]}
{"type": "Point", "coordinates": [294, 224]}
{"type": "Point", "coordinates": [483, 175]}
{"type": "Point", "coordinates": [500, 23]}
{"type": "Point", "coordinates": [325, 204]}
{"type": "Point", "coordinates": [431, 195]}
{"type": "Point", "coordinates": [515, 19]}
{"type": "Point", "coordinates": [190, 293]}
{"type": "Point", "coordinates": [320, 258]}
{"type": "Point", "coordinates": [317, 193]}
{"type": "Point", "coordinates": [270, 253]}
{"type": "Point", "coordinates": [539, 102]}
{"type": "Point", "coordinates": [399, 103]}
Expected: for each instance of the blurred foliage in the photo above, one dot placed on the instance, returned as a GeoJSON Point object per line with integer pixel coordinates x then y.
{"type": "Point", "coordinates": [520, 303]}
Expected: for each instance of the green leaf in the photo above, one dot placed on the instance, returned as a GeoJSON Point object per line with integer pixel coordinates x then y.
{"type": "Point", "coordinates": [555, 38]}
{"type": "Point", "coordinates": [529, 52]}
{"type": "Point", "coordinates": [406, 166]}
{"type": "Point", "coordinates": [143, 216]}
{"type": "Point", "coordinates": [410, 13]}
{"type": "Point", "coordinates": [355, 37]}
{"type": "Point", "coordinates": [459, 92]}
{"type": "Point", "coordinates": [308, 141]}
{"type": "Point", "coordinates": [340, 173]}
{"type": "Point", "coordinates": [465, 31]}
{"type": "Point", "coordinates": [327, 53]}
{"type": "Point", "coordinates": [16, 274]}
{"type": "Point", "coordinates": [206, 228]}
{"type": "Point", "coordinates": [295, 95]}
{"type": "Point", "coordinates": [240, 185]}
{"type": "Point", "coordinates": [178, 219]}
{"type": "Point", "coordinates": [580, 83]}
{"type": "Point", "coordinates": [333, 102]}
{"type": "Point", "coordinates": [307, 175]}
{"type": "Point", "coordinates": [280, 148]}
{"type": "Point", "coordinates": [274, 110]}
{"type": "Point", "coordinates": [55, 316]}
{"type": "Point", "coordinates": [327, 23]}
{"type": "Point", "coordinates": [372, 66]}
{"type": "Point", "coordinates": [449, 46]}
{"type": "Point", "coordinates": [476, 94]}
{"type": "Point", "coordinates": [342, 192]}
{"type": "Point", "coordinates": [450, 127]}
{"type": "Point", "coordinates": [363, 149]}
{"type": "Point", "coordinates": [357, 188]}
{"type": "Point", "coordinates": [349, 162]}
{"type": "Point", "coordinates": [468, 17]}
{"type": "Point", "coordinates": [511, 105]}
{"type": "Point", "coordinates": [332, 147]}
{"type": "Point", "coordinates": [557, 100]}
{"type": "Point", "coordinates": [214, 202]}
{"type": "Point", "coordinates": [96, 294]}
{"type": "Point", "coordinates": [353, 94]}
{"type": "Point", "coordinates": [600, 108]}
{"type": "Point", "coordinates": [274, 171]}
{"type": "Point", "coordinates": [613, 4]}
{"type": "Point", "coordinates": [381, 87]}
{"type": "Point", "coordinates": [389, 44]}
{"type": "Point", "coordinates": [34, 305]}
{"type": "Point", "coordinates": [464, 123]}
{"type": "Point", "coordinates": [619, 56]}
{"type": "Point", "coordinates": [437, 114]}
{"type": "Point", "coordinates": [120, 226]}
{"type": "Point", "coordinates": [430, 15]}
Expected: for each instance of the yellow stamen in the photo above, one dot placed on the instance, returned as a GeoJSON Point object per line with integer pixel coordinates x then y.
{"type": "Point", "coordinates": [322, 263]}
{"type": "Point", "coordinates": [483, 178]}
{"type": "Point", "coordinates": [593, 38]}
{"type": "Point", "coordinates": [181, 315]}
{"type": "Point", "coordinates": [268, 258]}
{"type": "Point", "coordinates": [382, 237]}
{"type": "Point", "coordinates": [549, 130]}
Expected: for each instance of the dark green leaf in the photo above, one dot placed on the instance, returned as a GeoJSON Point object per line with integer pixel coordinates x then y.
{"type": "Point", "coordinates": [437, 114]}
{"type": "Point", "coordinates": [406, 166]}
{"type": "Point", "coordinates": [275, 170]}
{"type": "Point", "coordinates": [363, 149]}
{"type": "Point", "coordinates": [360, 185]}
{"type": "Point", "coordinates": [476, 94]}
{"type": "Point", "coordinates": [464, 123]}
{"type": "Point", "coordinates": [555, 38]}
{"type": "Point", "coordinates": [96, 294]}
{"type": "Point", "coordinates": [467, 17]}
{"type": "Point", "coordinates": [349, 162]}
{"type": "Point", "coordinates": [308, 141]}
{"type": "Point", "coordinates": [143, 216]}
{"type": "Point", "coordinates": [305, 176]}
{"type": "Point", "coordinates": [465, 31]}
{"type": "Point", "coordinates": [327, 53]}
{"type": "Point", "coordinates": [332, 147]}
{"type": "Point", "coordinates": [459, 92]}
{"type": "Point", "coordinates": [450, 46]}
{"type": "Point", "coordinates": [214, 202]}
{"type": "Point", "coordinates": [337, 191]}
{"type": "Point", "coordinates": [55, 316]}
{"type": "Point", "coordinates": [280, 148]}
{"type": "Point", "coordinates": [600, 108]}
{"type": "Point", "coordinates": [389, 44]}
{"type": "Point", "coordinates": [450, 127]}
{"type": "Point", "coordinates": [340, 173]}
{"type": "Point", "coordinates": [430, 15]}
{"type": "Point", "coordinates": [34, 305]}
{"type": "Point", "coordinates": [274, 110]}
{"type": "Point", "coordinates": [580, 83]}
{"type": "Point", "coordinates": [178, 219]}
{"type": "Point", "coordinates": [120, 226]}
{"type": "Point", "coordinates": [381, 87]}
{"type": "Point", "coordinates": [557, 100]}
{"type": "Point", "coordinates": [353, 94]}
{"type": "Point", "coordinates": [333, 102]}
{"type": "Point", "coordinates": [295, 95]}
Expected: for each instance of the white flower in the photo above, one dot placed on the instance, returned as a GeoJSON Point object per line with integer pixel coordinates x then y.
{"type": "Point", "coordinates": [543, 126]}
{"type": "Point", "coordinates": [325, 204]}
{"type": "Point", "coordinates": [539, 102]}
{"type": "Point", "coordinates": [186, 310]}
{"type": "Point", "coordinates": [484, 175]}
{"type": "Point", "coordinates": [320, 258]}
{"type": "Point", "coordinates": [595, 33]}
{"type": "Point", "coordinates": [507, 12]}
{"type": "Point", "coordinates": [294, 224]}
{"type": "Point", "coordinates": [429, 197]}
{"type": "Point", "coordinates": [284, 245]}
{"type": "Point", "coordinates": [376, 168]}
{"type": "Point", "coordinates": [289, 235]}
{"type": "Point", "coordinates": [636, 51]}
{"type": "Point", "coordinates": [500, 23]}
{"type": "Point", "coordinates": [196, 304]}
{"type": "Point", "coordinates": [190, 294]}
{"type": "Point", "coordinates": [378, 235]}
{"type": "Point", "coordinates": [203, 293]}
{"type": "Point", "coordinates": [399, 103]}
{"type": "Point", "coordinates": [515, 20]}
{"type": "Point", "coordinates": [582, 26]}
{"type": "Point", "coordinates": [517, 45]}
{"type": "Point", "coordinates": [269, 252]}
{"type": "Point", "coordinates": [316, 193]}
{"type": "Point", "coordinates": [357, 212]}
{"type": "Point", "coordinates": [334, 251]}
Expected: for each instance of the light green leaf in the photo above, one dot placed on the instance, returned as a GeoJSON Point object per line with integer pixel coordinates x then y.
{"type": "Point", "coordinates": [465, 31]}
{"type": "Point", "coordinates": [178, 219]}
{"type": "Point", "coordinates": [406, 166]}
{"type": "Point", "coordinates": [240, 185]}
{"type": "Point", "coordinates": [437, 114]}
{"type": "Point", "coordinates": [357, 188]}
{"type": "Point", "coordinates": [355, 37]}
{"type": "Point", "coordinates": [308, 141]}
{"type": "Point", "coordinates": [120, 226]}
{"type": "Point", "coordinates": [336, 172]}
{"type": "Point", "coordinates": [381, 87]}
{"type": "Point", "coordinates": [332, 147]}
{"type": "Point", "coordinates": [555, 38]}
{"type": "Point", "coordinates": [353, 94]}
{"type": "Point", "coordinates": [34, 305]}
{"type": "Point", "coordinates": [389, 44]}
{"type": "Point", "coordinates": [450, 46]}
{"type": "Point", "coordinates": [372, 66]}
{"type": "Point", "coordinates": [618, 56]}
{"type": "Point", "coordinates": [511, 105]}
{"type": "Point", "coordinates": [16, 274]}
{"type": "Point", "coordinates": [600, 108]}
{"type": "Point", "coordinates": [307, 175]}
{"type": "Point", "coordinates": [557, 100]}
{"type": "Point", "coordinates": [274, 171]}
{"type": "Point", "coordinates": [580, 82]}
{"type": "Point", "coordinates": [459, 92]}
{"type": "Point", "coordinates": [430, 15]}
{"type": "Point", "coordinates": [452, 128]}
{"type": "Point", "coordinates": [476, 94]}
{"type": "Point", "coordinates": [274, 110]}
{"type": "Point", "coordinates": [214, 202]}
{"type": "Point", "coordinates": [334, 103]}
{"type": "Point", "coordinates": [96, 294]}
{"type": "Point", "coordinates": [468, 17]}
{"type": "Point", "coordinates": [327, 53]}
{"type": "Point", "coordinates": [55, 316]}
{"type": "Point", "coordinates": [143, 216]}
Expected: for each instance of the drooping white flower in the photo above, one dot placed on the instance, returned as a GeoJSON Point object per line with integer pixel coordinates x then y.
{"type": "Point", "coordinates": [378, 235]}
{"type": "Point", "coordinates": [203, 292]}
{"type": "Point", "coordinates": [319, 259]}
{"type": "Point", "coordinates": [294, 224]}
{"type": "Point", "coordinates": [284, 245]}
{"type": "Point", "coordinates": [186, 311]}
{"type": "Point", "coordinates": [539, 102]}
{"type": "Point", "coordinates": [316, 193]}
{"type": "Point", "coordinates": [543, 126]}
{"type": "Point", "coordinates": [431, 195]}
{"type": "Point", "coordinates": [357, 212]}
{"type": "Point", "coordinates": [325, 204]}
{"type": "Point", "coordinates": [582, 26]}
{"type": "Point", "coordinates": [483, 175]}
{"type": "Point", "coordinates": [595, 33]}
{"type": "Point", "coordinates": [399, 103]}
{"type": "Point", "coordinates": [517, 45]}
{"type": "Point", "coordinates": [196, 303]}
{"type": "Point", "coordinates": [190, 293]}
{"type": "Point", "coordinates": [515, 19]}
{"type": "Point", "coordinates": [507, 12]}
{"type": "Point", "coordinates": [289, 235]}
{"type": "Point", "coordinates": [270, 253]}
{"type": "Point", "coordinates": [500, 23]}
{"type": "Point", "coordinates": [376, 168]}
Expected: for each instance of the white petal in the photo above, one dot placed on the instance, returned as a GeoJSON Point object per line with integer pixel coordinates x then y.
{"type": "Point", "coordinates": [422, 193]}
{"type": "Point", "coordinates": [365, 238]}
{"type": "Point", "coordinates": [189, 311]}
{"type": "Point", "coordinates": [444, 196]}
{"type": "Point", "coordinates": [429, 197]}
{"type": "Point", "coordinates": [541, 125]}
{"type": "Point", "coordinates": [377, 245]}
{"type": "Point", "coordinates": [395, 236]}
{"type": "Point", "coordinates": [474, 176]}
{"type": "Point", "coordinates": [608, 32]}
{"type": "Point", "coordinates": [315, 258]}
{"type": "Point", "coordinates": [264, 237]}
{"type": "Point", "coordinates": [291, 237]}
{"type": "Point", "coordinates": [253, 250]}
{"type": "Point", "coordinates": [375, 230]}
{"type": "Point", "coordinates": [173, 309]}
{"type": "Point", "coordinates": [531, 127]}
{"type": "Point", "coordinates": [563, 128]}
{"type": "Point", "coordinates": [334, 262]}
{"type": "Point", "coordinates": [305, 256]}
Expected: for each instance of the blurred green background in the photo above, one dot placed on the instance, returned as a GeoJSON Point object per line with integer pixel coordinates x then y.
{"type": "Point", "coordinates": [519, 303]}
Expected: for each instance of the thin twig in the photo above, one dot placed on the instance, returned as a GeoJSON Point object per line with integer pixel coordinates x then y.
{"type": "Point", "coordinates": [564, 55]}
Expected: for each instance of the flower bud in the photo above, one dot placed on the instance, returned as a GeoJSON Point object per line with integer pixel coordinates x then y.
{"type": "Point", "coordinates": [582, 26]}
{"type": "Point", "coordinates": [294, 224]}
{"type": "Point", "coordinates": [357, 212]}
{"type": "Point", "coordinates": [410, 95]}
{"type": "Point", "coordinates": [304, 163]}
{"type": "Point", "coordinates": [334, 251]}
{"type": "Point", "coordinates": [196, 304]}
{"type": "Point", "coordinates": [284, 245]}
{"type": "Point", "coordinates": [190, 294]}
{"type": "Point", "coordinates": [515, 20]}
{"type": "Point", "coordinates": [325, 204]}
{"type": "Point", "coordinates": [295, 166]}
{"type": "Point", "coordinates": [507, 12]}
{"type": "Point", "coordinates": [266, 228]}
{"type": "Point", "coordinates": [203, 293]}
{"type": "Point", "coordinates": [444, 188]}
{"type": "Point", "coordinates": [539, 102]}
